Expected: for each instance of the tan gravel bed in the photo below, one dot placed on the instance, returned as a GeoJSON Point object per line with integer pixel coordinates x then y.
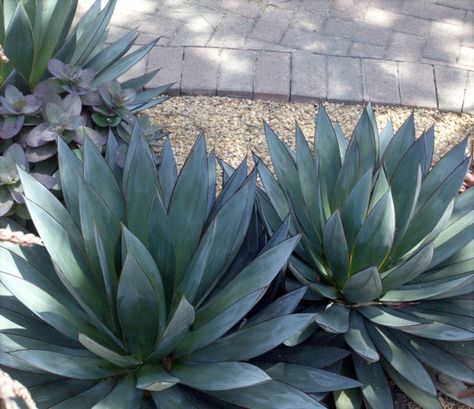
{"type": "Point", "coordinates": [234, 128]}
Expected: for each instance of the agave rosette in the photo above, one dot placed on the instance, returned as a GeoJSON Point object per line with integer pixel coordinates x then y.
{"type": "Point", "coordinates": [387, 252]}
{"type": "Point", "coordinates": [139, 293]}
{"type": "Point", "coordinates": [33, 33]}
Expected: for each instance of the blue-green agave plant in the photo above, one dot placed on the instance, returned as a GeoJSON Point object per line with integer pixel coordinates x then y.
{"type": "Point", "coordinates": [387, 254]}
{"type": "Point", "coordinates": [143, 295]}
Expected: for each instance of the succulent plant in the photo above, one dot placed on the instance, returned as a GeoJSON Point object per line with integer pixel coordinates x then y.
{"type": "Point", "coordinates": [386, 251]}
{"type": "Point", "coordinates": [139, 294]}
{"type": "Point", "coordinates": [34, 33]}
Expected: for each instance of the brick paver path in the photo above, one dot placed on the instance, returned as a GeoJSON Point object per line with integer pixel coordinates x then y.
{"type": "Point", "coordinates": [410, 52]}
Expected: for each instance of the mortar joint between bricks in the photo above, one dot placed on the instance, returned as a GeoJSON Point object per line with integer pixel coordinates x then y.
{"type": "Point", "coordinates": [435, 86]}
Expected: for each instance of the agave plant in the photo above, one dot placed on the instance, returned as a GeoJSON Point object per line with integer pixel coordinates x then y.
{"type": "Point", "coordinates": [33, 32]}
{"type": "Point", "coordinates": [139, 293]}
{"type": "Point", "coordinates": [386, 251]}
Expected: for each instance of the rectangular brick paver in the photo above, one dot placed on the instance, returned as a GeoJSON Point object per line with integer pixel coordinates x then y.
{"type": "Point", "coordinates": [417, 84]}
{"type": "Point", "coordinates": [170, 62]}
{"type": "Point", "coordinates": [405, 47]}
{"type": "Point", "coordinates": [200, 66]}
{"type": "Point", "coordinates": [311, 41]}
{"type": "Point", "coordinates": [272, 75]}
{"type": "Point", "coordinates": [443, 42]}
{"type": "Point", "coordinates": [236, 72]}
{"type": "Point", "coordinates": [231, 32]}
{"type": "Point", "coordinates": [450, 84]}
{"type": "Point", "coordinates": [344, 79]}
{"type": "Point", "coordinates": [356, 31]}
{"type": "Point", "coordinates": [381, 81]}
{"type": "Point", "coordinates": [308, 77]}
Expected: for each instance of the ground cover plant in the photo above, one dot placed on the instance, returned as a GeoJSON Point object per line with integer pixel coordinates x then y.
{"type": "Point", "coordinates": [139, 293]}
{"type": "Point", "coordinates": [62, 82]}
{"type": "Point", "coordinates": [386, 252]}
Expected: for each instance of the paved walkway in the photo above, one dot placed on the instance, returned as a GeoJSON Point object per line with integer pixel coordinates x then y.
{"type": "Point", "coordinates": [409, 52]}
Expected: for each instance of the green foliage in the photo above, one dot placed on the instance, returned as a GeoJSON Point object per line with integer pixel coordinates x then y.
{"type": "Point", "coordinates": [386, 252]}
{"type": "Point", "coordinates": [63, 84]}
{"type": "Point", "coordinates": [33, 32]}
{"type": "Point", "coordinates": [146, 291]}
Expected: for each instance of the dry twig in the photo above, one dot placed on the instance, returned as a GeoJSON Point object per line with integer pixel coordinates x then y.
{"type": "Point", "coordinates": [20, 238]}
{"type": "Point", "coordinates": [11, 390]}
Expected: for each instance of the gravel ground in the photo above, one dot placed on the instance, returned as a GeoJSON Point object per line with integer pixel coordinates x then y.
{"type": "Point", "coordinates": [233, 127]}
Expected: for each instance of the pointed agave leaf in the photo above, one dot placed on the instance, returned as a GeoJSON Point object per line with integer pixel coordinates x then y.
{"type": "Point", "coordinates": [445, 166]}
{"type": "Point", "coordinates": [109, 277]}
{"type": "Point", "coordinates": [100, 177]}
{"type": "Point", "coordinates": [70, 366]}
{"type": "Point", "coordinates": [307, 276]}
{"type": "Point", "coordinates": [384, 139]}
{"type": "Point", "coordinates": [96, 217]}
{"type": "Point", "coordinates": [287, 174]}
{"type": "Point", "coordinates": [227, 231]}
{"type": "Point", "coordinates": [112, 53]}
{"type": "Point", "coordinates": [124, 395]}
{"type": "Point", "coordinates": [89, 31]}
{"type": "Point", "coordinates": [407, 271]}
{"type": "Point", "coordinates": [431, 208]}
{"type": "Point", "coordinates": [269, 395]}
{"type": "Point", "coordinates": [211, 191]}
{"type": "Point", "coordinates": [257, 275]}
{"type": "Point", "coordinates": [178, 326]}
{"type": "Point", "coordinates": [87, 398]}
{"type": "Point", "coordinates": [254, 340]}
{"type": "Point", "coordinates": [376, 391]}
{"type": "Point", "coordinates": [21, 58]}
{"type": "Point", "coordinates": [310, 380]}
{"type": "Point", "coordinates": [359, 339]}
{"type": "Point", "coordinates": [139, 182]}
{"type": "Point", "coordinates": [422, 291]}
{"type": "Point", "coordinates": [167, 173]}
{"type": "Point", "coordinates": [305, 354]}
{"type": "Point", "coordinates": [218, 326]}
{"type": "Point", "coordinates": [70, 172]}
{"type": "Point", "coordinates": [335, 248]}
{"type": "Point", "coordinates": [416, 394]}
{"type": "Point", "coordinates": [66, 253]}
{"type": "Point", "coordinates": [155, 378]}
{"type": "Point", "coordinates": [438, 359]}
{"type": "Point", "coordinates": [137, 297]}
{"type": "Point", "coordinates": [335, 318]}
{"type": "Point", "coordinates": [327, 146]}
{"type": "Point", "coordinates": [284, 305]}
{"type": "Point", "coordinates": [366, 135]}
{"type": "Point", "coordinates": [218, 376]}
{"type": "Point", "coordinates": [308, 173]}
{"type": "Point", "coordinates": [398, 145]}
{"type": "Point", "coordinates": [355, 209]}
{"type": "Point", "coordinates": [374, 240]}
{"type": "Point", "coordinates": [187, 217]}
{"type": "Point", "coordinates": [274, 191]}
{"type": "Point", "coordinates": [403, 361]}
{"type": "Point", "coordinates": [348, 399]}
{"type": "Point", "coordinates": [341, 140]}
{"type": "Point", "coordinates": [161, 246]}
{"type": "Point", "coordinates": [107, 354]}
{"type": "Point", "coordinates": [405, 188]}
{"type": "Point", "coordinates": [348, 175]}
{"type": "Point", "coordinates": [147, 265]}
{"type": "Point", "coordinates": [122, 65]}
{"type": "Point", "coordinates": [391, 317]}
{"type": "Point", "coordinates": [179, 397]}
{"type": "Point", "coordinates": [363, 286]}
